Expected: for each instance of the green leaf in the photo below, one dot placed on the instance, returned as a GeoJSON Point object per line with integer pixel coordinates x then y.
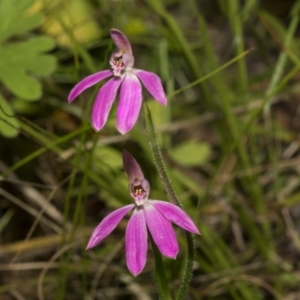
{"type": "Point", "coordinates": [191, 153]}
{"type": "Point", "coordinates": [13, 21]}
{"type": "Point", "coordinates": [22, 61]}
{"type": "Point", "coordinates": [9, 126]}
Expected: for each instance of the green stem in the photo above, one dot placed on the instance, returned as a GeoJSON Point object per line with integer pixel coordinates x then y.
{"type": "Point", "coordinates": [188, 268]}
{"type": "Point", "coordinates": [160, 276]}
{"type": "Point", "coordinates": [159, 163]}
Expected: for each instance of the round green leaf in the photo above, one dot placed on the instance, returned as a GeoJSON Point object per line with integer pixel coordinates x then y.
{"type": "Point", "coordinates": [191, 153]}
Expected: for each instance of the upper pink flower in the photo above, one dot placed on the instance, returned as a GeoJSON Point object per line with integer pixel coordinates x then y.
{"type": "Point", "coordinates": [155, 215]}
{"type": "Point", "coordinates": [128, 80]}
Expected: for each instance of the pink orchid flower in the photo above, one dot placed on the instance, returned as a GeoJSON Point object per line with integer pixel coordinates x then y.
{"type": "Point", "coordinates": [154, 215]}
{"type": "Point", "coordinates": [125, 77]}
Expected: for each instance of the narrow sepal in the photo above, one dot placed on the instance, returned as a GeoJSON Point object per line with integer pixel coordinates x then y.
{"type": "Point", "coordinates": [103, 103]}
{"type": "Point", "coordinates": [161, 231]}
{"type": "Point", "coordinates": [88, 82]}
{"type": "Point", "coordinates": [153, 84]}
{"type": "Point", "coordinates": [131, 167]}
{"type": "Point", "coordinates": [107, 225]}
{"type": "Point", "coordinates": [176, 215]}
{"type": "Point", "coordinates": [136, 242]}
{"type": "Point", "coordinates": [130, 103]}
{"type": "Point", "coordinates": [120, 40]}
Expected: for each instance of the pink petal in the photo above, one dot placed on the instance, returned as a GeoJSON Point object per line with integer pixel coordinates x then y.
{"type": "Point", "coordinates": [107, 225]}
{"type": "Point", "coordinates": [130, 103]}
{"type": "Point", "coordinates": [136, 242]}
{"type": "Point", "coordinates": [153, 84]}
{"type": "Point", "coordinates": [120, 40]}
{"type": "Point", "coordinates": [161, 230]}
{"type": "Point", "coordinates": [175, 214]}
{"type": "Point", "coordinates": [88, 82]}
{"type": "Point", "coordinates": [104, 101]}
{"type": "Point", "coordinates": [131, 167]}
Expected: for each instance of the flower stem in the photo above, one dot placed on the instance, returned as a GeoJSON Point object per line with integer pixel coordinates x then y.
{"type": "Point", "coordinates": [188, 270]}
{"type": "Point", "coordinates": [159, 163]}
{"type": "Point", "coordinates": [160, 276]}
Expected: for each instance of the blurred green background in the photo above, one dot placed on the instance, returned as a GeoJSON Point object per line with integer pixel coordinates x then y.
{"type": "Point", "coordinates": [229, 136]}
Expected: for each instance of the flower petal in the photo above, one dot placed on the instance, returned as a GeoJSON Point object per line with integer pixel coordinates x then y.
{"type": "Point", "coordinates": [136, 242]}
{"type": "Point", "coordinates": [130, 103]}
{"type": "Point", "coordinates": [153, 84]}
{"type": "Point", "coordinates": [175, 214]}
{"type": "Point", "coordinates": [107, 225]}
{"type": "Point", "coordinates": [161, 230]}
{"type": "Point", "coordinates": [120, 40]}
{"type": "Point", "coordinates": [88, 82]}
{"type": "Point", "coordinates": [104, 101]}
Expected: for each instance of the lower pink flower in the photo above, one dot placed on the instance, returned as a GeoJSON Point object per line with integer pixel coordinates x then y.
{"type": "Point", "coordinates": [155, 215]}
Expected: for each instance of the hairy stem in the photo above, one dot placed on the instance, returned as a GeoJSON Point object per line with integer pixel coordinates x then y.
{"type": "Point", "coordinates": [159, 163]}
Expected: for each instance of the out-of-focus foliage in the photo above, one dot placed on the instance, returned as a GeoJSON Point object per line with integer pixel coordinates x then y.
{"type": "Point", "coordinates": [8, 123]}
{"type": "Point", "coordinates": [75, 15]}
{"type": "Point", "coordinates": [23, 57]}
{"type": "Point", "coordinates": [4, 220]}
{"type": "Point", "coordinates": [191, 153]}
